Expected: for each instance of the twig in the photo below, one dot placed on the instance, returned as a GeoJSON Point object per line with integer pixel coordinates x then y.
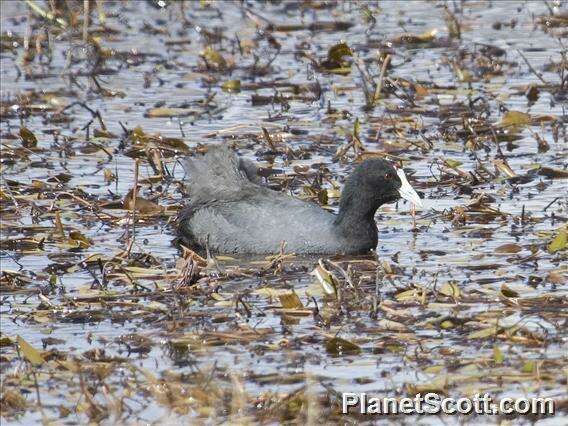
{"type": "Point", "coordinates": [532, 69]}
{"type": "Point", "coordinates": [101, 12]}
{"type": "Point", "coordinates": [551, 203]}
{"type": "Point", "coordinates": [268, 139]}
{"type": "Point", "coordinates": [413, 213]}
{"type": "Point", "coordinates": [499, 150]}
{"type": "Point", "coordinates": [364, 80]}
{"type": "Point", "coordinates": [37, 394]}
{"type": "Point", "coordinates": [134, 196]}
{"type": "Point", "coordinates": [85, 20]}
{"type": "Point", "coordinates": [45, 14]}
{"type": "Point", "coordinates": [257, 18]}
{"type": "Point", "coordinates": [550, 9]}
{"type": "Point", "coordinates": [96, 114]}
{"type": "Point", "coordinates": [379, 87]}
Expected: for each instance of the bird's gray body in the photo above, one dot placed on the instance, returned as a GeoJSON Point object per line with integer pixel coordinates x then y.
{"type": "Point", "coordinates": [229, 213]}
{"type": "Point", "coordinates": [248, 226]}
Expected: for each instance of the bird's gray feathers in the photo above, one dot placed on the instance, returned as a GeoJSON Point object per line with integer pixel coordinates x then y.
{"type": "Point", "coordinates": [259, 222]}
{"type": "Point", "coordinates": [230, 213]}
{"type": "Point", "coordinates": [215, 175]}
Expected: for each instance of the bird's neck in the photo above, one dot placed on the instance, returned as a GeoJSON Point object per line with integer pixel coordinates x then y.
{"type": "Point", "coordinates": [356, 217]}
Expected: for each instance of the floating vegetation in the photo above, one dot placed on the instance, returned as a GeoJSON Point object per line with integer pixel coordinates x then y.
{"type": "Point", "coordinates": [106, 319]}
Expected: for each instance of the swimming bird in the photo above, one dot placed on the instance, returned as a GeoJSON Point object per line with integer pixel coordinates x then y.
{"type": "Point", "coordinates": [230, 212]}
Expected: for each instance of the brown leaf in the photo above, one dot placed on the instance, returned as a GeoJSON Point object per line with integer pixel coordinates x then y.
{"type": "Point", "coordinates": [29, 140]}
{"type": "Point", "coordinates": [551, 173]}
{"type": "Point", "coordinates": [142, 205]}
{"type": "Point", "coordinates": [508, 292]}
{"type": "Point", "coordinates": [508, 248]}
{"type": "Point", "coordinates": [408, 38]}
{"type": "Point", "coordinates": [337, 52]}
{"type": "Point", "coordinates": [555, 277]}
{"type": "Point", "coordinates": [83, 241]}
{"type": "Point", "coordinates": [504, 168]}
{"type": "Point", "coordinates": [165, 112]}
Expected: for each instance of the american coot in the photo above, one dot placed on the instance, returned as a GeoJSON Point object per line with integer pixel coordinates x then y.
{"type": "Point", "coordinates": [230, 213]}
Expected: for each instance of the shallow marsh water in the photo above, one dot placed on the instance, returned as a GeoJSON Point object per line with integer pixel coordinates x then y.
{"type": "Point", "coordinates": [470, 296]}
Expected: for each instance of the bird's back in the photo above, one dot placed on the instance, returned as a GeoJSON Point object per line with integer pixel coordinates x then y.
{"type": "Point", "coordinates": [259, 222]}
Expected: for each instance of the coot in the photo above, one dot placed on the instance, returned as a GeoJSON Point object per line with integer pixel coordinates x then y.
{"type": "Point", "coordinates": [231, 213]}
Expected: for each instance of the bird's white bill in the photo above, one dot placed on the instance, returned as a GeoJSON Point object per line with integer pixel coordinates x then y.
{"type": "Point", "coordinates": [406, 190]}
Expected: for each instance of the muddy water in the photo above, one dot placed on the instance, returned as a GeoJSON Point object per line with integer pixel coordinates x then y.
{"type": "Point", "coordinates": [150, 71]}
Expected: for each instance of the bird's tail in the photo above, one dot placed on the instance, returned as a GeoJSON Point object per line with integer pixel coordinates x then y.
{"type": "Point", "coordinates": [214, 174]}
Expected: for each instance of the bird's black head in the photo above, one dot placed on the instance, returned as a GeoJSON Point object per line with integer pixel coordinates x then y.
{"type": "Point", "coordinates": [373, 183]}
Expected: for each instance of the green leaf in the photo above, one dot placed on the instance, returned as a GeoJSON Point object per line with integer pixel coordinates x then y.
{"type": "Point", "coordinates": [559, 242]}
{"type": "Point", "coordinates": [484, 332]}
{"type": "Point", "coordinates": [528, 367]}
{"type": "Point", "coordinates": [434, 369]}
{"type": "Point", "coordinates": [515, 119]}
{"type": "Point", "coordinates": [453, 163]}
{"type": "Point", "coordinates": [290, 301]}
{"type": "Point", "coordinates": [327, 280]}
{"type": "Point", "coordinates": [335, 62]}
{"type": "Point", "coordinates": [450, 289]}
{"type": "Point", "coordinates": [339, 70]}
{"type": "Point", "coordinates": [213, 57]}
{"type": "Point", "coordinates": [356, 128]}
{"type": "Point", "coordinates": [498, 355]}
{"type": "Point", "coordinates": [336, 53]}
{"type": "Point", "coordinates": [338, 346]}
{"type": "Point", "coordinates": [30, 353]}
{"type": "Point", "coordinates": [231, 86]}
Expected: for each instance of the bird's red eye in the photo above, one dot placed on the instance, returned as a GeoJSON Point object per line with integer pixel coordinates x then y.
{"type": "Point", "coordinates": [388, 175]}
